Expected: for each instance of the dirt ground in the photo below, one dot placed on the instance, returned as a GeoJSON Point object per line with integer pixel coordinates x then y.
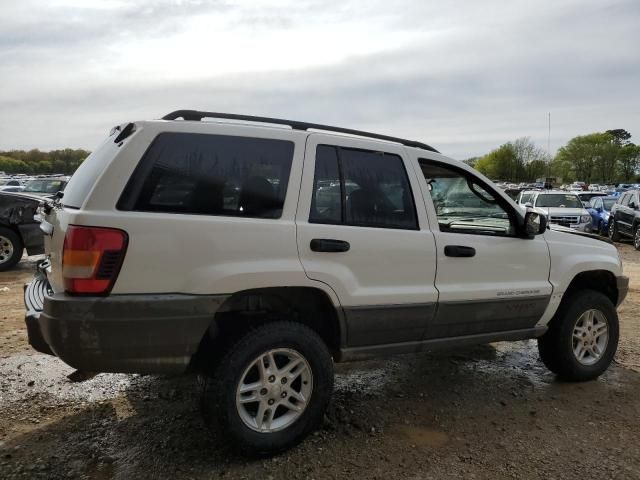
{"type": "Point", "coordinates": [488, 412]}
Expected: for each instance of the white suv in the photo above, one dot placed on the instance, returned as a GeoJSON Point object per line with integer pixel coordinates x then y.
{"type": "Point", "coordinates": [562, 208]}
{"type": "Point", "coordinates": [258, 252]}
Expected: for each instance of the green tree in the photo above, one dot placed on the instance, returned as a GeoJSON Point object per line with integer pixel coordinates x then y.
{"type": "Point", "coordinates": [498, 164]}
{"type": "Point", "coordinates": [64, 161]}
{"type": "Point", "coordinates": [11, 165]}
{"type": "Point", "coordinates": [628, 162]}
{"type": "Point", "coordinates": [620, 136]}
{"type": "Point", "coordinates": [588, 158]}
{"type": "Point", "coordinates": [518, 161]}
{"type": "Point", "coordinates": [471, 161]}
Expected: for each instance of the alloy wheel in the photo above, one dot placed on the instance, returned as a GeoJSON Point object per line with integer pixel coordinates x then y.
{"type": "Point", "coordinates": [590, 337]}
{"type": "Point", "coordinates": [274, 390]}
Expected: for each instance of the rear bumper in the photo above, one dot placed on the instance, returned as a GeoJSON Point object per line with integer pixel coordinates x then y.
{"type": "Point", "coordinates": [121, 333]}
{"type": "Point", "coordinates": [622, 283]}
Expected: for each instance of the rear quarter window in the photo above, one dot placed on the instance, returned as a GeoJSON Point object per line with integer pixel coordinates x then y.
{"type": "Point", "coordinates": [85, 176]}
{"type": "Point", "coordinates": [208, 174]}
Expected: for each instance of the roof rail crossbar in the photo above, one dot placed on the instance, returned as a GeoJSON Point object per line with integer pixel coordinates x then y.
{"type": "Point", "coordinates": [197, 115]}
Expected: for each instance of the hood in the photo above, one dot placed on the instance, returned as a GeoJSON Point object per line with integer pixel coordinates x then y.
{"type": "Point", "coordinates": [571, 231]}
{"type": "Point", "coordinates": [17, 196]}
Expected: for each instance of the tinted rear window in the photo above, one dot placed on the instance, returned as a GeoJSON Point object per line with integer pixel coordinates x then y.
{"type": "Point", "coordinates": [361, 188]}
{"type": "Point", "coordinates": [211, 175]}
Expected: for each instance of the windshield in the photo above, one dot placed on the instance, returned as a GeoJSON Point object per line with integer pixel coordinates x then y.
{"type": "Point", "coordinates": [558, 200]}
{"type": "Point", "coordinates": [44, 186]}
{"type": "Point", "coordinates": [608, 204]}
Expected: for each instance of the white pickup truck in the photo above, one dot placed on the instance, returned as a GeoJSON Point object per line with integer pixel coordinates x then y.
{"type": "Point", "coordinates": [259, 251]}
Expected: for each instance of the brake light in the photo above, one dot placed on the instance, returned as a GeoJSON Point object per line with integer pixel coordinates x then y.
{"type": "Point", "coordinates": [91, 258]}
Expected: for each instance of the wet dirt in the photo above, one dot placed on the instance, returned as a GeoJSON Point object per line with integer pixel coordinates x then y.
{"type": "Point", "coordinates": [489, 412]}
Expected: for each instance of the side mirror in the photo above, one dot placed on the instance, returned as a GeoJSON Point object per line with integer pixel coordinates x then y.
{"type": "Point", "coordinates": [632, 204]}
{"type": "Point", "coordinates": [535, 223]}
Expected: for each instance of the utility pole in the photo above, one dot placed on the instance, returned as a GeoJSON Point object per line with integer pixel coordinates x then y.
{"type": "Point", "coordinates": [549, 138]}
{"type": "Point", "coordinates": [549, 147]}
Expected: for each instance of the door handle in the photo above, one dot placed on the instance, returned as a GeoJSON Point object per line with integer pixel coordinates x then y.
{"type": "Point", "coordinates": [459, 251]}
{"type": "Point", "coordinates": [329, 245]}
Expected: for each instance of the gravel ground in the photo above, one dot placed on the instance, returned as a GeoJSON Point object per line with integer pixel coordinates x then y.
{"type": "Point", "coordinates": [487, 412]}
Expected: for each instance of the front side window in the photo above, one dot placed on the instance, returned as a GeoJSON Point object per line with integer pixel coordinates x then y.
{"type": "Point", "coordinates": [463, 205]}
{"type": "Point", "coordinates": [608, 204]}
{"type": "Point", "coordinates": [562, 200]}
{"type": "Point", "coordinates": [526, 198]}
{"type": "Point", "coordinates": [625, 199]}
{"type": "Point", "coordinates": [361, 188]}
{"type": "Point", "coordinates": [212, 175]}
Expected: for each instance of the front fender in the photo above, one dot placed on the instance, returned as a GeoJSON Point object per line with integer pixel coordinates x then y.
{"type": "Point", "coordinates": [574, 254]}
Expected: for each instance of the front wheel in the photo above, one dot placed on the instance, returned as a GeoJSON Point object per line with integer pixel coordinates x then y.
{"type": "Point", "coordinates": [271, 389]}
{"type": "Point", "coordinates": [636, 238]}
{"type": "Point", "coordinates": [582, 338]}
{"type": "Point", "coordinates": [602, 230]}
{"type": "Point", "coordinates": [11, 248]}
{"type": "Point", "coordinates": [614, 236]}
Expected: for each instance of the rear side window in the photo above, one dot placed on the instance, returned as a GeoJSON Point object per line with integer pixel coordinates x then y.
{"type": "Point", "coordinates": [361, 188]}
{"type": "Point", "coordinates": [211, 175]}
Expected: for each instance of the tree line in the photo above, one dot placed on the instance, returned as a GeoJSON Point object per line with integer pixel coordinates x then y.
{"type": "Point", "coordinates": [64, 161]}
{"type": "Point", "coordinates": [602, 157]}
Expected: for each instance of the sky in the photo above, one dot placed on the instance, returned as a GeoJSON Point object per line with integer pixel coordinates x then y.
{"type": "Point", "coordinates": [462, 76]}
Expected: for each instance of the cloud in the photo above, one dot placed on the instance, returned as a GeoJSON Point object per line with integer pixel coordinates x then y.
{"type": "Point", "coordinates": [463, 76]}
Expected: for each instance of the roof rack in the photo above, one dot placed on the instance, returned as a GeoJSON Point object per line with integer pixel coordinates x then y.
{"type": "Point", "coordinates": [198, 116]}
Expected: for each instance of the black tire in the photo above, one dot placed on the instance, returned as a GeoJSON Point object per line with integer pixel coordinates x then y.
{"type": "Point", "coordinates": [219, 392]}
{"type": "Point", "coordinates": [614, 236]}
{"type": "Point", "coordinates": [556, 346]}
{"type": "Point", "coordinates": [11, 248]}
{"type": "Point", "coordinates": [636, 237]}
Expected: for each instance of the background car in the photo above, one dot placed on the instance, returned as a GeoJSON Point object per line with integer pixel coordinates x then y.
{"type": "Point", "coordinates": [47, 186]}
{"type": "Point", "coordinates": [624, 220]}
{"type": "Point", "coordinates": [18, 229]}
{"type": "Point", "coordinates": [563, 208]}
{"type": "Point", "coordinates": [586, 197]}
{"type": "Point", "coordinates": [600, 209]}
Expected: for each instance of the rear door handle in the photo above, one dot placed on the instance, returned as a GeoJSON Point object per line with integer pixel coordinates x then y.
{"type": "Point", "coordinates": [329, 245]}
{"type": "Point", "coordinates": [459, 251]}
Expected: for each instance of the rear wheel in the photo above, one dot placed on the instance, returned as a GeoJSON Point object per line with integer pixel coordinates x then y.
{"type": "Point", "coordinates": [271, 389]}
{"type": "Point", "coordinates": [582, 337]}
{"type": "Point", "coordinates": [11, 248]}
{"type": "Point", "coordinates": [614, 236]}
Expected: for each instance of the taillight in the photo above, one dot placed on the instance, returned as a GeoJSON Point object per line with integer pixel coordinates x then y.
{"type": "Point", "coordinates": [91, 258]}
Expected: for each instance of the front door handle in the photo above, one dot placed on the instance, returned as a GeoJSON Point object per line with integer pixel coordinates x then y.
{"type": "Point", "coordinates": [329, 245]}
{"type": "Point", "coordinates": [459, 251]}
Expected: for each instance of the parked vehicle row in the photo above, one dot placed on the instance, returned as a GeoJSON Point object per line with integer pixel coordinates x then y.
{"type": "Point", "coordinates": [41, 185]}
